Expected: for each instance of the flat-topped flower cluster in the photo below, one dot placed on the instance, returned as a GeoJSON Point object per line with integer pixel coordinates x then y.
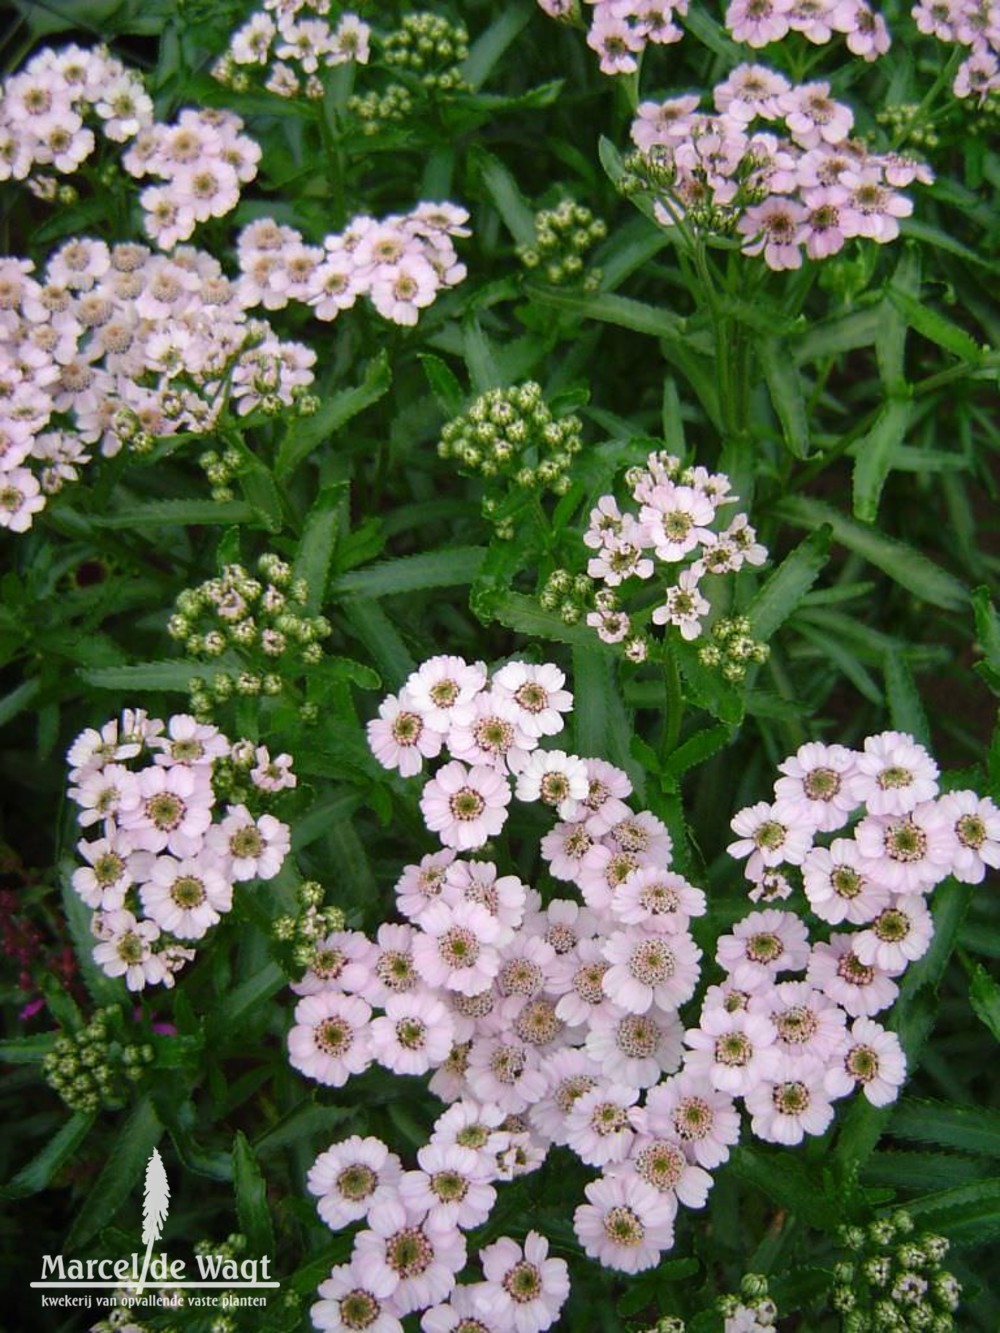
{"type": "Point", "coordinates": [555, 1022]}
{"type": "Point", "coordinates": [288, 45]}
{"type": "Point", "coordinates": [116, 345]}
{"type": "Point", "coordinates": [160, 872]}
{"type": "Point", "coordinates": [620, 30]}
{"type": "Point", "coordinates": [970, 24]}
{"type": "Point", "coordinates": [400, 262]}
{"type": "Point", "coordinates": [675, 534]}
{"type": "Point", "coordinates": [775, 164]}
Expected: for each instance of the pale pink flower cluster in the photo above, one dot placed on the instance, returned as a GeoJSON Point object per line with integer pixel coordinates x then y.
{"type": "Point", "coordinates": [791, 1028]}
{"type": "Point", "coordinates": [203, 160]}
{"type": "Point", "coordinates": [620, 30]}
{"type": "Point", "coordinates": [760, 22]}
{"type": "Point", "coordinates": [114, 345]}
{"type": "Point", "coordinates": [160, 872]}
{"type": "Point", "coordinates": [973, 25]}
{"type": "Point", "coordinates": [776, 164]}
{"type": "Point", "coordinates": [50, 109]}
{"type": "Point", "coordinates": [289, 43]}
{"type": "Point", "coordinates": [400, 263]}
{"type": "Point", "coordinates": [674, 534]}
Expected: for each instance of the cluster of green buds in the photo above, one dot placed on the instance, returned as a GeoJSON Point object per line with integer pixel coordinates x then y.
{"type": "Point", "coordinates": [258, 621]}
{"type": "Point", "coordinates": [431, 48]}
{"type": "Point", "coordinates": [307, 930]}
{"type": "Point", "coordinates": [510, 435]}
{"type": "Point", "coordinates": [570, 596]}
{"type": "Point", "coordinates": [893, 1281]}
{"type": "Point", "coordinates": [563, 237]}
{"type": "Point", "coordinates": [904, 120]}
{"type": "Point", "coordinates": [732, 649]}
{"type": "Point", "coordinates": [655, 174]}
{"type": "Point", "coordinates": [753, 1303]}
{"type": "Point", "coordinates": [374, 111]}
{"type": "Point", "coordinates": [220, 469]}
{"type": "Point", "coordinates": [984, 117]}
{"type": "Point", "coordinates": [668, 1323]}
{"type": "Point", "coordinates": [575, 596]}
{"type": "Point", "coordinates": [93, 1067]}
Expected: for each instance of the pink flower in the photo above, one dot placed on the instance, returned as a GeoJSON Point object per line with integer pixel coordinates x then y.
{"type": "Point", "coordinates": [817, 786]}
{"type": "Point", "coordinates": [524, 1289]}
{"type": "Point", "coordinates": [443, 691]}
{"type": "Point", "coordinates": [684, 606]}
{"type": "Point", "coordinates": [348, 1302]}
{"type": "Point", "coordinates": [767, 840]}
{"type": "Point", "coordinates": [625, 1224]}
{"type": "Point", "coordinates": [554, 778]}
{"type": "Point", "coordinates": [758, 22]}
{"type": "Point", "coordinates": [492, 735]}
{"type": "Point", "coordinates": [257, 847]}
{"type": "Point", "coordinates": [452, 1186]}
{"type": "Point", "coordinates": [659, 900]}
{"type": "Point", "coordinates": [662, 1163]}
{"type": "Point", "coordinates": [762, 945]}
{"type": "Point", "coordinates": [894, 774]}
{"type": "Point", "coordinates": [736, 1051]}
{"type": "Point", "coordinates": [634, 1049]}
{"type": "Point", "coordinates": [791, 1102]}
{"type": "Point", "coordinates": [539, 695]}
{"type": "Point", "coordinates": [701, 1118]}
{"type": "Point", "coordinates": [415, 1033]}
{"type": "Point", "coordinates": [650, 969]}
{"type": "Point", "coordinates": [872, 1058]}
{"type": "Point", "coordinates": [415, 1259]}
{"type": "Point", "coordinates": [599, 1125]}
{"type": "Point", "coordinates": [807, 1022]}
{"type": "Point", "coordinates": [400, 737]}
{"type": "Point", "coordinates": [342, 961]}
{"type": "Point", "coordinates": [419, 885]}
{"type": "Point", "coordinates": [187, 897]}
{"type": "Point", "coordinates": [975, 824]}
{"type": "Point", "coordinates": [838, 886]}
{"type": "Point", "coordinates": [616, 43]}
{"type": "Point", "coordinates": [908, 853]}
{"type": "Point", "coordinates": [836, 970]}
{"type": "Point", "coordinates": [776, 228]}
{"type": "Point", "coordinates": [330, 1040]}
{"type": "Point", "coordinates": [464, 806]}
{"type": "Point", "coordinates": [454, 948]}
{"type": "Point", "coordinates": [351, 1177]}
{"type": "Point", "coordinates": [900, 934]}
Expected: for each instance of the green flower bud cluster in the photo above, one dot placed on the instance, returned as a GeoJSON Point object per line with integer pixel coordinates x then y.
{"type": "Point", "coordinates": [261, 621]}
{"type": "Point", "coordinates": [903, 119]}
{"type": "Point", "coordinates": [733, 649]}
{"type": "Point", "coordinates": [430, 47]}
{"type": "Point", "coordinates": [668, 1323]}
{"type": "Point", "coordinates": [570, 596]}
{"type": "Point", "coordinates": [753, 1299]}
{"type": "Point", "coordinates": [220, 469]}
{"type": "Point", "coordinates": [309, 927]}
{"type": "Point", "coordinates": [511, 434]}
{"type": "Point", "coordinates": [563, 236]}
{"type": "Point", "coordinates": [375, 110]}
{"type": "Point", "coordinates": [654, 174]}
{"type": "Point", "coordinates": [893, 1281]}
{"type": "Point", "coordinates": [231, 1248]}
{"type": "Point", "coordinates": [92, 1068]}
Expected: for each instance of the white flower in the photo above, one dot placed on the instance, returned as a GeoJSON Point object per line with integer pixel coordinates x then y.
{"type": "Point", "coordinates": [186, 897]}
{"type": "Point", "coordinates": [331, 1037]}
{"type": "Point", "coordinates": [554, 778]}
{"type": "Point", "coordinates": [351, 1177]}
{"type": "Point", "coordinates": [257, 847]}
{"type": "Point", "coordinates": [443, 691]}
{"type": "Point", "coordinates": [539, 695]}
{"type": "Point", "coordinates": [126, 949]}
{"type": "Point", "coordinates": [400, 737]}
{"type": "Point", "coordinates": [894, 774]}
{"type": "Point", "coordinates": [975, 825]}
{"type": "Point", "coordinates": [524, 1289]}
{"type": "Point", "coordinates": [873, 1059]}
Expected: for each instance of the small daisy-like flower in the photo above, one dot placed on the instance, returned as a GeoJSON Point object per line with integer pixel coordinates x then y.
{"type": "Point", "coordinates": [554, 778]}
{"type": "Point", "coordinates": [861, 988]}
{"type": "Point", "coordinates": [452, 1186]}
{"type": "Point", "coordinates": [908, 853]}
{"type": "Point", "coordinates": [662, 1163]}
{"type": "Point", "coordinates": [762, 945]}
{"type": "Point", "coordinates": [524, 1289]}
{"type": "Point", "coordinates": [599, 1125]}
{"type": "Point", "coordinates": [791, 1103]}
{"type": "Point", "coordinates": [900, 934]}
{"type": "Point", "coordinates": [569, 1073]}
{"type": "Point", "coordinates": [894, 774]}
{"type": "Point", "coordinates": [173, 812]}
{"type": "Point", "coordinates": [465, 806]}
{"type": "Point", "coordinates": [454, 947]}
{"type": "Point", "coordinates": [257, 848]}
{"type": "Point", "coordinates": [348, 1303]}
{"type": "Point", "coordinates": [413, 1035]}
{"type": "Point", "coordinates": [126, 949]}
{"type": "Point", "coordinates": [684, 606]}
{"type": "Point", "coordinates": [634, 1049]}
{"type": "Point", "coordinates": [351, 1177]}
{"type": "Point", "coordinates": [660, 900]}
{"type": "Point", "coordinates": [676, 519]}
{"type": "Point", "coordinates": [604, 804]}
{"type": "Point", "coordinates": [473, 1125]}
{"type": "Point", "coordinates": [975, 825]}
{"type": "Point", "coordinates": [505, 1072]}
{"type": "Point", "coordinates": [419, 1259]}
{"type": "Point", "coordinates": [104, 881]}
{"type": "Point", "coordinates": [186, 897]}
{"type": "Point", "coordinates": [872, 1059]}
{"type": "Point", "coordinates": [564, 848]}
{"type": "Point", "coordinates": [817, 786]}
{"type": "Point", "coordinates": [689, 1109]}
{"type": "Point", "coordinates": [650, 969]}
{"type": "Point", "coordinates": [736, 1051]}
{"type": "Point", "coordinates": [342, 961]}
{"type": "Point", "coordinates": [625, 1224]}
{"type": "Point", "coordinates": [400, 736]}
{"type": "Point", "coordinates": [807, 1023]}
{"type": "Point", "coordinates": [838, 886]}
{"type": "Point", "coordinates": [539, 695]}
{"type": "Point", "coordinates": [443, 690]}
{"type": "Point", "coordinates": [330, 1040]}
{"type": "Point", "coordinates": [419, 885]}
{"type": "Point", "coordinates": [492, 735]}
{"type": "Point", "coordinates": [767, 840]}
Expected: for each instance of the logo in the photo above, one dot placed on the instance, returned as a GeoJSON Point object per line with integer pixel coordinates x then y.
{"type": "Point", "coordinates": [159, 1280]}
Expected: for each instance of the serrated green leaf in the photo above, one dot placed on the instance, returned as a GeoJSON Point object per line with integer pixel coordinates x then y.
{"type": "Point", "coordinates": [252, 1211]}
{"type": "Point", "coordinates": [487, 50]}
{"type": "Point", "coordinates": [518, 217]}
{"type": "Point", "coordinates": [974, 1129]}
{"type": "Point", "coordinates": [263, 985]}
{"type": "Point", "coordinates": [831, 337]}
{"type": "Point", "coordinates": [18, 699]}
{"type": "Point", "coordinates": [902, 563]}
{"type": "Point", "coordinates": [321, 816]}
{"type": "Point", "coordinates": [261, 492]}
{"type": "Point", "coordinates": [789, 583]}
{"type": "Point", "coordinates": [905, 709]}
{"type": "Point", "coordinates": [918, 1171]}
{"type": "Point", "coordinates": [789, 1181]}
{"type": "Point", "coordinates": [444, 383]}
{"type": "Point", "coordinates": [121, 1175]}
{"type": "Point", "coordinates": [377, 632]}
{"type": "Point", "coordinates": [167, 676]}
{"type": "Point", "coordinates": [480, 357]}
{"type": "Point", "coordinates": [609, 308]}
{"type": "Point", "coordinates": [523, 614]}
{"type": "Point", "coordinates": [967, 1215]}
{"type": "Point", "coordinates": [301, 1124]}
{"type": "Point", "coordinates": [27, 1050]}
{"type": "Point", "coordinates": [319, 538]}
{"type": "Point", "coordinates": [696, 749]}
{"type": "Point", "coordinates": [785, 387]}
{"type": "Point", "coordinates": [451, 567]}
{"type": "Point", "coordinates": [38, 1174]}
{"type": "Point", "coordinates": [890, 345]}
{"type": "Point", "coordinates": [933, 326]}
{"type": "Point", "coordinates": [177, 513]}
{"type": "Point", "coordinates": [984, 997]}
{"type": "Point", "coordinates": [306, 433]}
{"type": "Point", "coordinates": [874, 454]}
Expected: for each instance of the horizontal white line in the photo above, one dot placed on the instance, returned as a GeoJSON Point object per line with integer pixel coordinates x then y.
{"type": "Point", "coordinates": [74, 1286]}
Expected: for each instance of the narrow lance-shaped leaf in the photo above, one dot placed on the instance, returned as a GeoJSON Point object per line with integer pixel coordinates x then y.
{"type": "Point", "coordinates": [789, 583]}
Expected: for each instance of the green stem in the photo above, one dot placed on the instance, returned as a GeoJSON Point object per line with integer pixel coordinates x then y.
{"type": "Point", "coordinates": [923, 111]}
{"type": "Point", "coordinates": [673, 703]}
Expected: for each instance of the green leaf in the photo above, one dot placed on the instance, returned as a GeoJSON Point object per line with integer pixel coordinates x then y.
{"type": "Point", "coordinates": [449, 568]}
{"type": "Point", "coordinates": [121, 1175]}
{"type": "Point", "coordinates": [177, 512]}
{"type": "Point", "coordinates": [942, 240]}
{"type": "Point", "coordinates": [18, 699]}
{"type": "Point", "coordinates": [789, 583]}
{"type": "Point", "coordinates": [488, 49]}
{"type": "Point", "coordinates": [322, 815]}
{"type": "Point", "coordinates": [785, 387]}
{"type": "Point", "coordinates": [444, 383]}
{"type": "Point", "coordinates": [305, 433]}
{"type": "Point", "coordinates": [974, 1129]}
{"type": "Point", "coordinates": [260, 491]}
{"type": "Point", "coordinates": [902, 563]}
{"type": "Point", "coordinates": [518, 217]}
{"type": "Point", "coordinates": [874, 456]}
{"type": "Point", "coordinates": [252, 1212]}
{"type": "Point", "coordinates": [623, 311]}
{"type": "Point", "coordinates": [301, 1125]}
{"type": "Point", "coordinates": [149, 676]}
{"type": "Point", "coordinates": [262, 986]}
{"type": "Point", "coordinates": [480, 358]}
{"type": "Point", "coordinates": [934, 326]}
{"type": "Point", "coordinates": [984, 996]}
{"type": "Point", "coordinates": [319, 538]}
{"type": "Point", "coordinates": [38, 1174]}
{"type": "Point", "coordinates": [593, 686]}
{"type": "Point", "coordinates": [890, 345]}
{"type": "Point", "coordinates": [905, 708]}
{"type": "Point", "coordinates": [377, 632]}
{"type": "Point", "coordinates": [789, 1181]}
{"type": "Point", "coordinates": [829, 338]}
{"type": "Point", "coordinates": [697, 748]}
{"type": "Point", "coordinates": [27, 1050]}
{"type": "Point", "coordinates": [523, 614]}
{"type": "Point", "coordinates": [967, 1215]}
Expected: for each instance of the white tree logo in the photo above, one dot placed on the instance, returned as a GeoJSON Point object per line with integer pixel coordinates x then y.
{"type": "Point", "coordinates": [155, 1204]}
